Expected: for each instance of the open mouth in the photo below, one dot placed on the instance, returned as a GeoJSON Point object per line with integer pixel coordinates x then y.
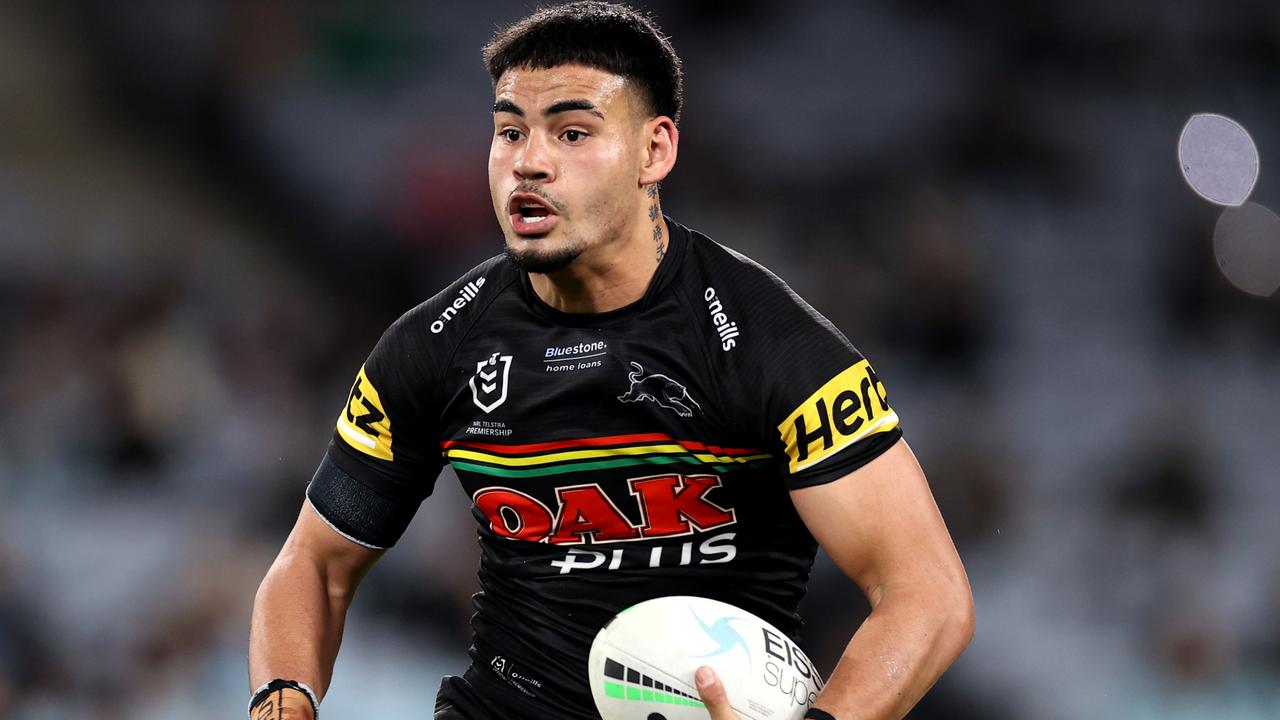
{"type": "Point", "coordinates": [534, 213]}
{"type": "Point", "coordinates": [530, 214]}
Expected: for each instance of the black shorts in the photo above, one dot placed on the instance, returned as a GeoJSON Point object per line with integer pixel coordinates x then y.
{"type": "Point", "coordinates": [477, 696]}
{"type": "Point", "coordinates": [458, 700]}
{"type": "Point", "coordinates": [446, 710]}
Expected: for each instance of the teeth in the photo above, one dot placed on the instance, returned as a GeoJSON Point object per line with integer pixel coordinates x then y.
{"type": "Point", "coordinates": [535, 219]}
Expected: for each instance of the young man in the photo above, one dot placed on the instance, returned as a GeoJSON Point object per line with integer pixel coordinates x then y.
{"type": "Point", "coordinates": [634, 410]}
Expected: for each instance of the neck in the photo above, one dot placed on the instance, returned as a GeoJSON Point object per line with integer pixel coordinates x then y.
{"type": "Point", "coordinates": [612, 276]}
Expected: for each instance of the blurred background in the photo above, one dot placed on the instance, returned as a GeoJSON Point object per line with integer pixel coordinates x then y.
{"type": "Point", "coordinates": [210, 209]}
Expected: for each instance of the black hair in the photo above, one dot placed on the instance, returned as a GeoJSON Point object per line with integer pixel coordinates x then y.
{"type": "Point", "coordinates": [606, 36]}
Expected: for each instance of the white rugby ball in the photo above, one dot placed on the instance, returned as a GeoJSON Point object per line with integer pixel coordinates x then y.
{"type": "Point", "coordinates": [642, 663]}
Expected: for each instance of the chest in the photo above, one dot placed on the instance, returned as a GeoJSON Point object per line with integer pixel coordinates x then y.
{"type": "Point", "coordinates": [595, 434]}
{"type": "Point", "coordinates": [522, 384]}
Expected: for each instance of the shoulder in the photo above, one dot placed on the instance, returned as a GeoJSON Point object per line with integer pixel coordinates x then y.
{"type": "Point", "coordinates": [414, 349]}
{"type": "Point", "coordinates": [745, 302]}
{"type": "Point", "coordinates": [713, 260]}
{"type": "Point", "coordinates": [447, 316]}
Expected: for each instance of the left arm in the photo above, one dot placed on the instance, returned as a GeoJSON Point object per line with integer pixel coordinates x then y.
{"type": "Point", "coordinates": [882, 528]}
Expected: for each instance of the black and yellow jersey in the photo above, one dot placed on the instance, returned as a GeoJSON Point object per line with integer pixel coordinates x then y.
{"type": "Point", "coordinates": [610, 458]}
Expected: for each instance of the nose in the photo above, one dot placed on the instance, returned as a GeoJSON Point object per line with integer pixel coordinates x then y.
{"type": "Point", "coordinates": [534, 161]}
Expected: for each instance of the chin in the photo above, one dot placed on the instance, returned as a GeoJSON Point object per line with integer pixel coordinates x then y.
{"type": "Point", "coordinates": [542, 260]}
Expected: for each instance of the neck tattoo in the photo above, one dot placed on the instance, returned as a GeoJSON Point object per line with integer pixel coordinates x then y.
{"type": "Point", "coordinates": [651, 191]}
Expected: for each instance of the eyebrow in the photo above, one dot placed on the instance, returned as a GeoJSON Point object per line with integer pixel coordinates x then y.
{"type": "Point", "coordinates": [507, 106]}
{"type": "Point", "coordinates": [557, 107]}
{"type": "Point", "coordinates": [570, 105]}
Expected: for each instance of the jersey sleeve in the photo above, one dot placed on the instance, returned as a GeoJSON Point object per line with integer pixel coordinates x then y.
{"type": "Point", "coordinates": [820, 406]}
{"type": "Point", "coordinates": [383, 459]}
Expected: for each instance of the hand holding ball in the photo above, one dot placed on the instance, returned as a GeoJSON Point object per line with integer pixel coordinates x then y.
{"type": "Point", "coordinates": [642, 663]}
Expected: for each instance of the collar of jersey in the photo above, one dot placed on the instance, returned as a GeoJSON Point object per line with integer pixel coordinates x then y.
{"type": "Point", "coordinates": [667, 271]}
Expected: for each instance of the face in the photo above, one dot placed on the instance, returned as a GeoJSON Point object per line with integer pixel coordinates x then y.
{"type": "Point", "coordinates": [565, 163]}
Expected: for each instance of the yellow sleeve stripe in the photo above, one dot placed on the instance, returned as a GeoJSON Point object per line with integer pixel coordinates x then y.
{"type": "Point", "coordinates": [884, 424]}
{"type": "Point", "coordinates": [354, 436]}
{"type": "Point", "coordinates": [847, 408]}
{"type": "Point", "coordinates": [363, 423]}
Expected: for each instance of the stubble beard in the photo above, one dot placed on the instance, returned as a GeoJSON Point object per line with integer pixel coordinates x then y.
{"type": "Point", "coordinates": [538, 260]}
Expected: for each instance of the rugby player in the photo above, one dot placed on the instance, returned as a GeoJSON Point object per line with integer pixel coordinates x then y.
{"type": "Point", "coordinates": [634, 411]}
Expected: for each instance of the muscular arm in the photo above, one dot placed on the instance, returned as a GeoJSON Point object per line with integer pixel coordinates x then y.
{"type": "Point", "coordinates": [301, 606]}
{"type": "Point", "coordinates": [881, 527]}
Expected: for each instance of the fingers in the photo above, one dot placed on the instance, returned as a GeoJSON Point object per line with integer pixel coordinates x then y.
{"type": "Point", "coordinates": [713, 695]}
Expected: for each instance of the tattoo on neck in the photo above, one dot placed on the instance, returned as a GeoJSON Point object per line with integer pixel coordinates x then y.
{"type": "Point", "coordinates": [654, 214]}
{"type": "Point", "coordinates": [651, 190]}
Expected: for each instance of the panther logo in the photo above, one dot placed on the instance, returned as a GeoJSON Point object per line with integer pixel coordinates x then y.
{"type": "Point", "coordinates": [661, 389]}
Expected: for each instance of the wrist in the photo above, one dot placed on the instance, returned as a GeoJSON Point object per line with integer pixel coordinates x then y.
{"type": "Point", "coordinates": [283, 699]}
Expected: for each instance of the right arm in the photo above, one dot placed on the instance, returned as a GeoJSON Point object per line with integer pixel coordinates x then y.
{"type": "Point", "coordinates": [301, 606]}
{"type": "Point", "coordinates": [380, 466]}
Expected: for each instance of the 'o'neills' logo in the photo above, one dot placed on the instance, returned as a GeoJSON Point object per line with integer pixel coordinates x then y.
{"type": "Point", "coordinates": [726, 328]}
{"type": "Point", "coordinates": [848, 408]}
{"type": "Point", "coordinates": [465, 295]}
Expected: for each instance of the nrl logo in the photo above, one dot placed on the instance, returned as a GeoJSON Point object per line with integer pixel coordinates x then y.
{"type": "Point", "coordinates": [722, 632]}
{"type": "Point", "coordinates": [492, 388]}
{"type": "Point", "coordinates": [661, 389]}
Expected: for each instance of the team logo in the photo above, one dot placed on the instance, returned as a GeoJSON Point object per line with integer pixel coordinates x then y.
{"type": "Point", "coordinates": [363, 423]}
{"type": "Point", "coordinates": [661, 389]}
{"type": "Point", "coordinates": [849, 407]}
{"type": "Point", "coordinates": [489, 384]}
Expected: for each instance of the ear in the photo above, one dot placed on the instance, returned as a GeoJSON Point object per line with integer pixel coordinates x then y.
{"type": "Point", "coordinates": [662, 141]}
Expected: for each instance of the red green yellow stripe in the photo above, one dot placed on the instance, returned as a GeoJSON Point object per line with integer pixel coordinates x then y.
{"type": "Point", "coordinates": [583, 454]}
{"type": "Point", "coordinates": [608, 440]}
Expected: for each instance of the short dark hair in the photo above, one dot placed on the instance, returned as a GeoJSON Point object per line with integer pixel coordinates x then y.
{"type": "Point", "coordinates": [605, 36]}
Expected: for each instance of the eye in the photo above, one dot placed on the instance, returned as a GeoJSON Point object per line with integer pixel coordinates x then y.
{"type": "Point", "coordinates": [509, 134]}
{"type": "Point", "coordinates": [573, 137]}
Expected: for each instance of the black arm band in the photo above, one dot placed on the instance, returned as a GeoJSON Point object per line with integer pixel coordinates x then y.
{"type": "Point", "coordinates": [353, 509]}
{"type": "Point", "coordinates": [817, 714]}
{"type": "Point", "coordinates": [261, 694]}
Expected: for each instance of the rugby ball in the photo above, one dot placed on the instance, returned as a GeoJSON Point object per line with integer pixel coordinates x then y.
{"type": "Point", "coordinates": [642, 663]}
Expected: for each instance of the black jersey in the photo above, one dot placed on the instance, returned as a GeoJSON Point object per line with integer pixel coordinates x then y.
{"type": "Point", "coordinates": [610, 458]}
